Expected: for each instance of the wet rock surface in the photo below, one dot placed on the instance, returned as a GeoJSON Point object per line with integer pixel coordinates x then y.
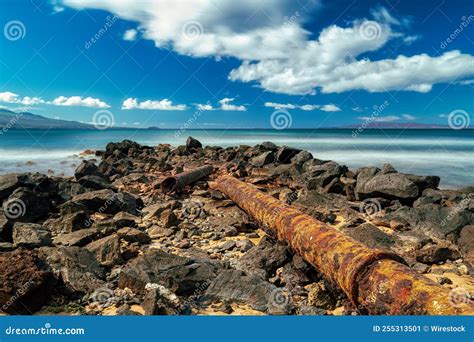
{"type": "Point", "coordinates": [108, 241]}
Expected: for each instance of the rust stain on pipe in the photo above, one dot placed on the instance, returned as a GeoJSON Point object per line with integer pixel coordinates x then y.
{"type": "Point", "coordinates": [376, 281]}
{"type": "Point", "coordinates": [177, 182]}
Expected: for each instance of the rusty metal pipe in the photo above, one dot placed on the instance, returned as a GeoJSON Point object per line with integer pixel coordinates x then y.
{"type": "Point", "coordinates": [376, 281]}
{"type": "Point", "coordinates": [177, 182]}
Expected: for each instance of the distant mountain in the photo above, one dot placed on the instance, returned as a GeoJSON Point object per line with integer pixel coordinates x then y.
{"type": "Point", "coordinates": [11, 119]}
{"type": "Point", "coordinates": [397, 125]}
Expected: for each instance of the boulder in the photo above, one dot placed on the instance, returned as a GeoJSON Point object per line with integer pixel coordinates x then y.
{"type": "Point", "coordinates": [76, 267]}
{"type": "Point", "coordinates": [388, 185]}
{"type": "Point", "coordinates": [235, 286]}
{"type": "Point", "coordinates": [30, 235]}
{"type": "Point", "coordinates": [263, 159]}
{"type": "Point", "coordinates": [86, 168]}
{"type": "Point", "coordinates": [107, 201]}
{"type": "Point", "coordinates": [8, 183]}
{"type": "Point", "coordinates": [371, 236]}
{"type": "Point", "coordinates": [466, 243]}
{"type": "Point", "coordinates": [95, 182]}
{"type": "Point", "coordinates": [68, 223]}
{"type": "Point", "coordinates": [434, 254]}
{"type": "Point", "coordinates": [179, 274]}
{"type": "Point", "coordinates": [265, 258]}
{"type": "Point", "coordinates": [24, 205]}
{"type": "Point", "coordinates": [78, 238]}
{"type": "Point", "coordinates": [124, 219]}
{"type": "Point", "coordinates": [25, 282]}
{"type": "Point", "coordinates": [285, 154]}
{"type": "Point", "coordinates": [133, 235]}
{"type": "Point", "coordinates": [192, 143]}
{"type": "Point", "coordinates": [6, 228]}
{"type": "Point", "coordinates": [106, 250]}
{"type": "Point", "coordinates": [301, 158]}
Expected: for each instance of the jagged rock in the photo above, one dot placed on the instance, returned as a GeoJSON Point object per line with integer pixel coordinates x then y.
{"type": "Point", "coordinates": [179, 274]}
{"type": "Point", "coordinates": [78, 238]}
{"type": "Point", "coordinates": [156, 232]}
{"type": "Point", "coordinates": [192, 143]}
{"type": "Point", "coordinates": [466, 243]}
{"type": "Point", "coordinates": [319, 295]}
{"type": "Point", "coordinates": [32, 206]}
{"type": "Point", "coordinates": [168, 218]}
{"type": "Point", "coordinates": [76, 267]}
{"type": "Point", "coordinates": [25, 282]}
{"type": "Point", "coordinates": [86, 168]}
{"type": "Point", "coordinates": [133, 235]}
{"type": "Point", "coordinates": [30, 235]}
{"type": "Point", "coordinates": [235, 286]}
{"type": "Point", "coordinates": [433, 254]}
{"type": "Point", "coordinates": [264, 258]}
{"type": "Point", "coordinates": [285, 154]}
{"type": "Point", "coordinates": [263, 159]}
{"type": "Point", "coordinates": [106, 250]}
{"type": "Point", "coordinates": [95, 182]}
{"type": "Point", "coordinates": [107, 201]}
{"type": "Point", "coordinates": [301, 158]}
{"type": "Point", "coordinates": [6, 228]}
{"type": "Point", "coordinates": [155, 210]}
{"type": "Point", "coordinates": [159, 300]}
{"type": "Point", "coordinates": [124, 219]}
{"type": "Point", "coordinates": [8, 183]}
{"type": "Point", "coordinates": [371, 236]}
{"type": "Point", "coordinates": [390, 186]}
{"type": "Point", "coordinates": [68, 223]}
{"type": "Point", "coordinates": [388, 168]}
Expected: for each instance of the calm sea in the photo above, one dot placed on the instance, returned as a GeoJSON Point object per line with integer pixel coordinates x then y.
{"type": "Point", "coordinates": [446, 153]}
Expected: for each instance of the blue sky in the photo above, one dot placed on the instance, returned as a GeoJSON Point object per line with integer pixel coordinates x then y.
{"type": "Point", "coordinates": [231, 64]}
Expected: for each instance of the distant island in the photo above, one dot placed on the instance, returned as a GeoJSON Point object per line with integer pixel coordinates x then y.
{"type": "Point", "coordinates": [10, 119]}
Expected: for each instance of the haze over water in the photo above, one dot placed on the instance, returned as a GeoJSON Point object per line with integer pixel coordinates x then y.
{"type": "Point", "coordinates": [445, 153]}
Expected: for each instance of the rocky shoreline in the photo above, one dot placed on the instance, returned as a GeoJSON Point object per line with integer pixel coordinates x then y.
{"type": "Point", "coordinates": [109, 241]}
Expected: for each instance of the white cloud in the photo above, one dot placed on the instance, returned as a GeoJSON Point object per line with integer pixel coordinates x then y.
{"type": "Point", "coordinates": [79, 101]}
{"type": "Point", "coordinates": [308, 107]}
{"type": "Point", "coordinates": [9, 97]}
{"type": "Point", "coordinates": [164, 104]}
{"type": "Point", "coordinates": [130, 35]}
{"type": "Point", "coordinates": [225, 104]}
{"type": "Point", "coordinates": [408, 117]}
{"type": "Point", "coordinates": [283, 57]}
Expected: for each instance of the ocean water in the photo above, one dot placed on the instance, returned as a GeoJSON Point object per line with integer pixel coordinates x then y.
{"type": "Point", "coordinates": [445, 153]}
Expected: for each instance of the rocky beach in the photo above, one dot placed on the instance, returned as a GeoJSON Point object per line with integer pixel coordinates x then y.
{"type": "Point", "coordinates": [112, 241]}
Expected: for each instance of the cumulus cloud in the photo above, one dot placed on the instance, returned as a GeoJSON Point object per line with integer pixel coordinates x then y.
{"type": "Point", "coordinates": [130, 35]}
{"type": "Point", "coordinates": [308, 107]}
{"type": "Point", "coordinates": [79, 101]}
{"type": "Point", "coordinates": [224, 104]}
{"type": "Point", "coordinates": [165, 104]}
{"type": "Point", "coordinates": [9, 97]}
{"type": "Point", "coordinates": [281, 56]}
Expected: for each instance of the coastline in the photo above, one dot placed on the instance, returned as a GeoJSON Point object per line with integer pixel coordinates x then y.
{"type": "Point", "coordinates": [108, 235]}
